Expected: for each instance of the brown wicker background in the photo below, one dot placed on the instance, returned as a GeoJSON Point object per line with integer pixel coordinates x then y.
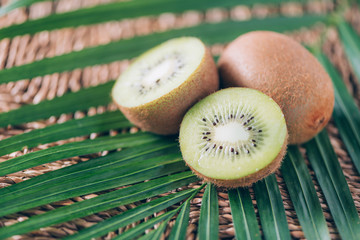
{"type": "Point", "coordinates": [25, 49]}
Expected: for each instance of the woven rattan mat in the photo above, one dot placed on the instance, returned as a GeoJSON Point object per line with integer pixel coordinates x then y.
{"type": "Point", "coordinates": [25, 49]}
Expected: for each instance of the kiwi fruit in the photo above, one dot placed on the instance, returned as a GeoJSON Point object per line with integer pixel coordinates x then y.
{"type": "Point", "coordinates": [158, 88]}
{"type": "Point", "coordinates": [234, 137]}
{"type": "Point", "coordinates": [284, 70]}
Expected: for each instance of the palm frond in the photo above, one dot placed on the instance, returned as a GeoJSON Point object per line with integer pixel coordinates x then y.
{"type": "Point", "coordinates": [17, 4]}
{"type": "Point", "coordinates": [74, 149]}
{"type": "Point", "coordinates": [134, 215]}
{"type": "Point", "coordinates": [351, 43]}
{"type": "Point", "coordinates": [142, 227]}
{"type": "Point", "coordinates": [84, 99]}
{"type": "Point", "coordinates": [334, 186]}
{"type": "Point", "coordinates": [178, 232]}
{"type": "Point", "coordinates": [129, 48]}
{"type": "Point", "coordinates": [303, 195]}
{"type": "Point", "coordinates": [72, 128]}
{"type": "Point", "coordinates": [346, 114]}
{"type": "Point", "coordinates": [209, 214]}
{"type": "Point", "coordinates": [243, 213]}
{"type": "Point", "coordinates": [113, 11]}
{"type": "Point", "coordinates": [117, 169]}
{"type": "Point", "coordinates": [103, 202]}
{"type": "Point", "coordinates": [271, 209]}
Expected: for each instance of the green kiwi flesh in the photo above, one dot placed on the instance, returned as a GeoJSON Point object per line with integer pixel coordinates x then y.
{"type": "Point", "coordinates": [234, 137]}
{"type": "Point", "coordinates": [159, 87]}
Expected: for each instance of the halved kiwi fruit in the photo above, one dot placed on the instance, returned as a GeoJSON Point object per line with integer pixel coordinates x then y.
{"type": "Point", "coordinates": [159, 87]}
{"type": "Point", "coordinates": [283, 69]}
{"type": "Point", "coordinates": [234, 137]}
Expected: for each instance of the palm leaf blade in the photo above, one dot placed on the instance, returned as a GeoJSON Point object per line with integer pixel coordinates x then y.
{"type": "Point", "coordinates": [84, 99]}
{"type": "Point", "coordinates": [209, 214]}
{"type": "Point", "coordinates": [112, 11]}
{"type": "Point", "coordinates": [72, 128]}
{"type": "Point", "coordinates": [351, 43]}
{"type": "Point", "coordinates": [17, 4]}
{"type": "Point", "coordinates": [243, 213]}
{"type": "Point", "coordinates": [334, 186]}
{"type": "Point", "coordinates": [74, 149]}
{"type": "Point", "coordinates": [101, 203]}
{"type": "Point", "coordinates": [179, 230]}
{"type": "Point", "coordinates": [113, 171]}
{"type": "Point", "coordinates": [271, 209]}
{"type": "Point", "coordinates": [303, 195]}
{"type": "Point", "coordinates": [210, 33]}
{"type": "Point", "coordinates": [346, 114]}
{"type": "Point", "coordinates": [134, 215]}
{"type": "Point", "coordinates": [140, 228]}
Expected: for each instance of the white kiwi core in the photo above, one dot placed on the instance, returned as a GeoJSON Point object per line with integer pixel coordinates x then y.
{"type": "Point", "coordinates": [232, 133]}
{"type": "Point", "coordinates": [158, 71]}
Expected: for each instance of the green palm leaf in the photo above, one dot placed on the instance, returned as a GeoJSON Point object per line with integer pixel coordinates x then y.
{"type": "Point", "coordinates": [243, 213]}
{"type": "Point", "coordinates": [140, 228]}
{"type": "Point", "coordinates": [118, 169]}
{"type": "Point", "coordinates": [303, 195]}
{"type": "Point", "coordinates": [112, 11]}
{"type": "Point", "coordinates": [84, 99]}
{"type": "Point", "coordinates": [209, 214]}
{"type": "Point", "coordinates": [72, 128]}
{"type": "Point", "coordinates": [210, 33]}
{"type": "Point", "coordinates": [101, 203]}
{"type": "Point", "coordinates": [74, 149]}
{"type": "Point", "coordinates": [178, 232]}
{"type": "Point", "coordinates": [271, 209]}
{"type": "Point", "coordinates": [17, 4]}
{"type": "Point", "coordinates": [134, 215]}
{"type": "Point", "coordinates": [351, 43]}
{"type": "Point", "coordinates": [334, 186]}
{"type": "Point", "coordinates": [346, 114]}
{"type": "Point", "coordinates": [160, 230]}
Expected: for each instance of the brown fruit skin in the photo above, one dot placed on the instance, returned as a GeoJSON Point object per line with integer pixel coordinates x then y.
{"type": "Point", "coordinates": [284, 70]}
{"type": "Point", "coordinates": [164, 115]}
{"type": "Point", "coordinates": [250, 179]}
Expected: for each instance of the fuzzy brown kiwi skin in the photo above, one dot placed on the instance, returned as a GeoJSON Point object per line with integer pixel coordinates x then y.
{"type": "Point", "coordinates": [284, 70]}
{"type": "Point", "coordinates": [163, 115]}
{"type": "Point", "coordinates": [250, 179]}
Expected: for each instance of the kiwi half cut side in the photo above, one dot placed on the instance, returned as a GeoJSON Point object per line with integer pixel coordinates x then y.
{"type": "Point", "coordinates": [159, 87]}
{"type": "Point", "coordinates": [234, 137]}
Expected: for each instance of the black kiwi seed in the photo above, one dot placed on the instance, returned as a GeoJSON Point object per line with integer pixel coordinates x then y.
{"type": "Point", "coordinates": [242, 115]}
{"type": "Point", "coordinates": [221, 147]}
{"type": "Point", "coordinates": [253, 140]}
{"type": "Point", "coordinates": [214, 123]}
{"type": "Point", "coordinates": [249, 128]}
{"type": "Point", "coordinates": [204, 137]}
{"type": "Point", "coordinates": [260, 130]}
{"type": "Point", "coordinates": [204, 119]}
{"type": "Point", "coordinates": [232, 150]}
{"type": "Point", "coordinates": [214, 146]}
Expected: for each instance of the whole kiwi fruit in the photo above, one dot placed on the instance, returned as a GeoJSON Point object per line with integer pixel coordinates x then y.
{"type": "Point", "coordinates": [159, 87]}
{"type": "Point", "coordinates": [284, 70]}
